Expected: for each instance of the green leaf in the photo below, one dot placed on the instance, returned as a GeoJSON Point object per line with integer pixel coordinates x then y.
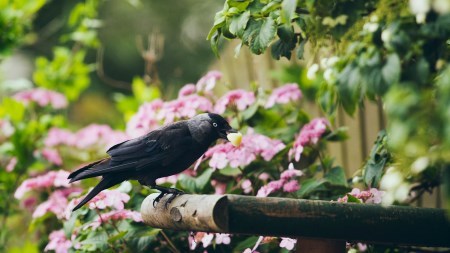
{"type": "Point", "coordinates": [287, 42]}
{"type": "Point", "coordinates": [219, 21]}
{"type": "Point", "coordinates": [240, 4]}
{"type": "Point", "coordinates": [117, 237]}
{"type": "Point", "coordinates": [201, 181]}
{"type": "Point", "coordinates": [247, 243]}
{"type": "Point", "coordinates": [309, 186]}
{"type": "Point", "coordinates": [340, 134]}
{"type": "Point", "coordinates": [229, 171]}
{"type": "Point", "coordinates": [392, 69]}
{"type": "Point", "coordinates": [352, 199]}
{"type": "Point", "coordinates": [239, 22]}
{"type": "Point", "coordinates": [214, 42]}
{"type": "Point", "coordinates": [187, 183]}
{"type": "Point", "coordinates": [264, 36]}
{"type": "Point", "coordinates": [301, 49]}
{"type": "Point", "coordinates": [379, 157]}
{"type": "Point", "coordinates": [336, 176]}
{"type": "Point", "coordinates": [288, 10]}
{"type": "Point", "coordinates": [349, 82]}
{"type": "Point", "coordinates": [12, 109]}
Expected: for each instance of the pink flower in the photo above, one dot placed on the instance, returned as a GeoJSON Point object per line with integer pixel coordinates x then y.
{"type": "Point", "coordinates": [309, 134]}
{"type": "Point", "coordinates": [272, 186]}
{"type": "Point", "coordinates": [372, 196]}
{"type": "Point", "coordinates": [115, 215]}
{"type": "Point", "coordinates": [184, 107]}
{"type": "Point", "coordinates": [98, 136]}
{"type": "Point", "coordinates": [58, 242]}
{"type": "Point", "coordinates": [56, 203]}
{"type": "Point", "coordinates": [170, 179]}
{"type": "Point", "coordinates": [11, 164]}
{"type": "Point", "coordinates": [252, 145]}
{"type": "Point", "coordinates": [6, 129]}
{"type": "Point", "coordinates": [247, 186]}
{"type": "Point", "coordinates": [187, 90]}
{"type": "Point", "coordinates": [241, 98]}
{"type": "Point", "coordinates": [207, 239]}
{"type": "Point", "coordinates": [146, 119]}
{"type": "Point", "coordinates": [207, 82]}
{"type": "Point", "coordinates": [220, 187]}
{"type": "Point", "coordinates": [52, 156]}
{"type": "Point", "coordinates": [291, 186]}
{"type": "Point", "coordinates": [108, 198]}
{"type": "Point", "coordinates": [290, 172]}
{"type": "Point", "coordinates": [362, 246]}
{"type": "Point", "coordinates": [57, 136]}
{"type": "Point", "coordinates": [263, 176]}
{"type": "Point", "coordinates": [287, 243]}
{"type": "Point", "coordinates": [42, 97]}
{"type": "Point", "coordinates": [52, 178]}
{"type": "Point", "coordinates": [223, 238]}
{"type": "Point", "coordinates": [93, 136]}
{"type": "Point", "coordinates": [284, 94]}
{"type": "Point", "coordinates": [282, 183]}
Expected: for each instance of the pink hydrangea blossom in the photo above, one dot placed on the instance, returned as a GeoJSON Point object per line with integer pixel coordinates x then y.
{"type": "Point", "coordinates": [187, 90]}
{"type": "Point", "coordinates": [58, 242]}
{"type": "Point", "coordinates": [283, 95]}
{"type": "Point", "coordinates": [287, 243]}
{"type": "Point", "coordinates": [52, 178]}
{"type": "Point", "coordinates": [11, 164]}
{"type": "Point", "coordinates": [286, 182]}
{"type": "Point", "coordinates": [309, 134]}
{"type": "Point", "coordinates": [263, 176]}
{"type": "Point", "coordinates": [222, 238]}
{"type": "Point", "coordinates": [107, 198]}
{"type": "Point", "coordinates": [6, 129]}
{"type": "Point", "coordinates": [252, 145]}
{"type": "Point", "coordinates": [170, 179]}
{"type": "Point", "coordinates": [208, 81]}
{"type": "Point", "coordinates": [290, 173]}
{"type": "Point", "coordinates": [272, 186]}
{"type": "Point", "coordinates": [115, 215]}
{"type": "Point", "coordinates": [291, 186]}
{"type": "Point", "coordinates": [56, 203]}
{"type": "Point", "coordinates": [93, 136]}
{"type": "Point", "coordinates": [371, 196]}
{"type": "Point", "coordinates": [146, 119]}
{"type": "Point", "coordinates": [184, 107]}
{"type": "Point", "coordinates": [207, 239]}
{"type": "Point", "coordinates": [42, 97]}
{"type": "Point", "coordinates": [241, 98]}
{"type": "Point", "coordinates": [246, 185]}
{"type": "Point", "coordinates": [220, 187]}
{"type": "Point", "coordinates": [52, 156]}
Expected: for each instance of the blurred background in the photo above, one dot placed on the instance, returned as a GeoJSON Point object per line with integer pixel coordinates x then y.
{"type": "Point", "coordinates": [164, 39]}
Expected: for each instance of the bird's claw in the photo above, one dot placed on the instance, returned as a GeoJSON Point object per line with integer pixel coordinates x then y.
{"type": "Point", "coordinates": [157, 199]}
{"type": "Point", "coordinates": [164, 191]}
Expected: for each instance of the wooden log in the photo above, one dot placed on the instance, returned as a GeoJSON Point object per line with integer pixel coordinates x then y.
{"type": "Point", "coordinates": [186, 212]}
{"type": "Point", "coordinates": [301, 218]}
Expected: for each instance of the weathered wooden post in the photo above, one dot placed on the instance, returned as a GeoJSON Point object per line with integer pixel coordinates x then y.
{"type": "Point", "coordinates": [321, 226]}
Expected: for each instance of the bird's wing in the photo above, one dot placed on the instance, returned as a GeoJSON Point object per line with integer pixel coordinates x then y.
{"type": "Point", "coordinates": [158, 147]}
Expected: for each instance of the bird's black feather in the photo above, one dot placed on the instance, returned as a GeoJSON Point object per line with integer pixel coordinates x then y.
{"type": "Point", "coordinates": [160, 153]}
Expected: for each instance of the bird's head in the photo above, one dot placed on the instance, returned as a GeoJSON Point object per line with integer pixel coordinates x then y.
{"type": "Point", "coordinates": [213, 124]}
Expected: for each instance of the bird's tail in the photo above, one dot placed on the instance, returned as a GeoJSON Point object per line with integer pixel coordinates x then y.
{"type": "Point", "coordinates": [87, 172]}
{"type": "Point", "coordinates": [105, 183]}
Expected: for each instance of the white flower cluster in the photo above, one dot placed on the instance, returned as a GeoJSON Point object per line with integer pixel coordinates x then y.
{"type": "Point", "coordinates": [420, 8]}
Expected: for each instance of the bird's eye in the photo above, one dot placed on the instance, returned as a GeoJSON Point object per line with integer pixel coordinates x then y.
{"type": "Point", "coordinates": [214, 124]}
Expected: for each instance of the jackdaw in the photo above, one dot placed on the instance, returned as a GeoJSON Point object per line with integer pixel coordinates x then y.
{"type": "Point", "coordinates": [160, 153]}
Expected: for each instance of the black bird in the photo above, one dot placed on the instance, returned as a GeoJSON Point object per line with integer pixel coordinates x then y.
{"type": "Point", "coordinates": [160, 153]}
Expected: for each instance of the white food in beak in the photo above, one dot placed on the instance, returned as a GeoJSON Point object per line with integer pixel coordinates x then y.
{"type": "Point", "coordinates": [235, 138]}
